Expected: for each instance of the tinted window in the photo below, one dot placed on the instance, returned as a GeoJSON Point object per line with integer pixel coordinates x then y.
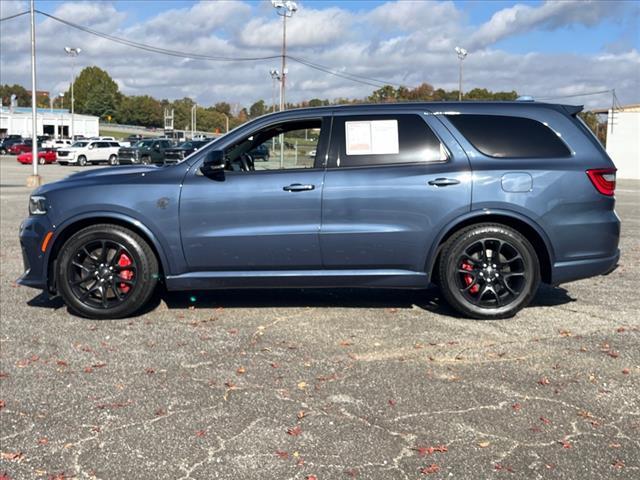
{"type": "Point", "coordinates": [386, 139]}
{"type": "Point", "coordinates": [510, 137]}
{"type": "Point", "coordinates": [114, 144]}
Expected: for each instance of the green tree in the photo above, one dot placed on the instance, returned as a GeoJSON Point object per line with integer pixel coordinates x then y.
{"type": "Point", "coordinates": [95, 93]}
{"type": "Point", "coordinates": [257, 109]}
{"type": "Point", "coordinates": [384, 94]}
{"type": "Point", "coordinates": [23, 96]}
{"type": "Point", "coordinates": [140, 110]}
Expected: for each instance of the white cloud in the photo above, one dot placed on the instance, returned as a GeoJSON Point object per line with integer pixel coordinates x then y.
{"type": "Point", "coordinates": [400, 42]}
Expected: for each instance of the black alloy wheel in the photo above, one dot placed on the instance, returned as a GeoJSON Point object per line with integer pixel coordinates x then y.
{"type": "Point", "coordinates": [106, 271]}
{"type": "Point", "coordinates": [489, 271]}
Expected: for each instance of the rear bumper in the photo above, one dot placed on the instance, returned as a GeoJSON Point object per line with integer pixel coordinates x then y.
{"type": "Point", "coordinates": [564, 272]}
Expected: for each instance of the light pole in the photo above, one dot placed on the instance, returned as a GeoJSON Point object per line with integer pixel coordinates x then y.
{"type": "Point", "coordinates": [35, 179]}
{"type": "Point", "coordinates": [462, 54]}
{"type": "Point", "coordinates": [285, 8]}
{"type": "Point", "coordinates": [193, 120]}
{"type": "Point", "coordinates": [275, 77]}
{"type": "Point", "coordinates": [226, 118]}
{"type": "Point", "coordinates": [73, 53]}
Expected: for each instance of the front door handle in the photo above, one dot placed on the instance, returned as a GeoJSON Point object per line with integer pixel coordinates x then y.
{"type": "Point", "coordinates": [298, 187]}
{"type": "Point", "coordinates": [444, 182]}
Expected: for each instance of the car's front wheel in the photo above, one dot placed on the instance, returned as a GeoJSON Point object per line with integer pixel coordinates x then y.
{"type": "Point", "coordinates": [488, 271]}
{"type": "Point", "coordinates": [113, 160]}
{"type": "Point", "coordinates": [106, 271]}
{"type": "Point", "coordinates": [146, 160]}
{"type": "Point", "coordinates": [41, 161]}
{"type": "Point", "coordinates": [82, 160]}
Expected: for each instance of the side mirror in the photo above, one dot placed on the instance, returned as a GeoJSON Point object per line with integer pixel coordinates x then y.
{"type": "Point", "coordinates": [213, 163]}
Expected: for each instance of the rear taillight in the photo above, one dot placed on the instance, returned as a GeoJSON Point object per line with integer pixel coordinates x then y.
{"type": "Point", "coordinates": [604, 179]}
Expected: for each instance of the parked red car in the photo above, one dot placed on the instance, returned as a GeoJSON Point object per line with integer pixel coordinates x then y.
{"type": "Point", "coordinates": [19, 148]}
{"type": "Point", "coordinates": [44, 156]}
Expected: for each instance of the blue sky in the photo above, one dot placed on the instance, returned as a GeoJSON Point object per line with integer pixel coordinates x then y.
{"type": "Point", "coordinates": [537, 47]}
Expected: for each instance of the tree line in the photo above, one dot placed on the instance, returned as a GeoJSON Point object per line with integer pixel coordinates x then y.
{"type": "Point", "coordinates": [96, 93]}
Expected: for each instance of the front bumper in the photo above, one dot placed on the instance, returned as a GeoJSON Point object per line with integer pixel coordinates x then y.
{"type": "Point", "coordinates": [32, 233]}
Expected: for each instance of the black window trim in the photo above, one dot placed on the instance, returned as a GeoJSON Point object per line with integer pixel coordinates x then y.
{"type": "Point", "coordinates": [330, 164]}
{"type": "Point", "coordinates": [570, 154]}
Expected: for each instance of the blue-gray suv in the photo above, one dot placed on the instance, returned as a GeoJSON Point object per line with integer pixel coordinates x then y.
{"type": "Point", "coordinates": [486, 200]}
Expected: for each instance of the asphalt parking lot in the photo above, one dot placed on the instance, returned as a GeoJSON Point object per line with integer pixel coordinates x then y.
{"type": "Point", "coordinates": [329, 384]}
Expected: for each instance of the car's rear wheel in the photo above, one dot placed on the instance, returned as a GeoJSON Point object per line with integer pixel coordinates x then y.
{"type": "Point", "coordinates": [488, 271]}
{"type": "Point", "coordinates": [41, 161]}
{"type": "Point", "coordinates": [82, 160]}
{"type": "Point", "coordinates": [113, 160]}
{"type": "Point", "coordinates": [106, 271]}
{"type": "Point", "coordinates": [265, 158]}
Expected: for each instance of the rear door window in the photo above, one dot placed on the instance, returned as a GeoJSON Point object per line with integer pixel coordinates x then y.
{"type": "Point", "coordinates": [509, 137]}
{"type": "Point", "coordinates": [370, 140]}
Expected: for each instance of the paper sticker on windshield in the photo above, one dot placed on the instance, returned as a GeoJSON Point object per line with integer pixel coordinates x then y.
{"type": "Point", "coordinates": [377, 137]}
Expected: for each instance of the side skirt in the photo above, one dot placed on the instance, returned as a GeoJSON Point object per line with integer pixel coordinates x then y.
{"type": "Point", "coordinates": [298, 279]}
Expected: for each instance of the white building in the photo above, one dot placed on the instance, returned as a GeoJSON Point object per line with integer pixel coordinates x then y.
{"type": "Point", "coordinates": [623, 140]}
{"type": "Point", "coordinates": [54, 122]}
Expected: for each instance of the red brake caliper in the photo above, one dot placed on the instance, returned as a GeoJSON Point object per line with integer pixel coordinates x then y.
{"type": "Point", "coordinates": [125, 261]}
{"type": "Point", "coordinates": [468, 279]}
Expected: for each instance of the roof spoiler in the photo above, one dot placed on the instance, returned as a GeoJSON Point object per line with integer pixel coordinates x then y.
{"type": "Point", "coordinates": [573, 110]}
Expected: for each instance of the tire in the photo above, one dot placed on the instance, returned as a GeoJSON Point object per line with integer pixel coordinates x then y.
{"type": "Point", "coordinates": [125, 287]}
{"type": "Point", "coordinates": [265, 158]}
{"type": "Point", "coordinates": [41, 161]}
{"type": "Point", "coordinates": [3, 151]}
{"type": "Point", "coordinates": [146, 160]}
{"type": "Point", "coordinates": [82, 160]}
{"type": "Point", "coordinates": [477, 287]}
{"type": "Point", "coordinates": [113, 160]}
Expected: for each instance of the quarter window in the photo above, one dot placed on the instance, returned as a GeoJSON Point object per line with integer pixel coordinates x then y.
{"type": "Point", "coordinates": [509, 137]}
{"type": "Point", "coordinates": [386, 139]}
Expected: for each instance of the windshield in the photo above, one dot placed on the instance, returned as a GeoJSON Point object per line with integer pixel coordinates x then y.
{"type": "Point", "coordinates": [144, 143]}
{"type": "Point", "coordinates": [80, 144]}
{"type": "Point", "coordinates": [186, 145]}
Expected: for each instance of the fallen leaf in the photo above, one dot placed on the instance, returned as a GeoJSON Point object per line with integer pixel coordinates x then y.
{"type": "Point", "coordinates": [241, 371]}
{"type": "Point", "coordinates": [2, 404]}
{"type": "Point", "coordinates": [613, 354]}
{"type": "Point", "coordinates": [302, 385]}
{"type": "Point", "coordinates": [311, 477]}
{"type": "Point", "coordinates": [201, 433]}
{"type": "Point", "coordinates": [433, 468]}
{"type": "Point", "coordinates": [626, 371]}
{"type": "Point", "coordinates": [565, 333]}
{"type": "Point", "coordinates": [422, 451]}
{"type": "Point", "coordinates": [564, 444]}
{"type": "Point", "coordinates": [62, 363]}
{"type": "Point", "coordinates": [516, 407]}
{"type": "Point", "coordinates": [301, 414]}
{"type": "Point", "coordinates": [392, 403]}
{"type": "Point", "coordinates": [544, 381]}
{"type": "Point", "coordinates": [618, 464]}
{"type": "Point", "coordinates": [282, 455]}
{"type": "Point", "coordinates": [346, 343]}
{"type": "Point", "coordinates": [499, 466]}
{"type": "Point", "coordinates": [484, 444]}
{"type": "Point", "coordinates": [545, 420]}
{"type": "Point", "coordinates": [150, 371]}
{"type": "Point", "coordinates": [12, 456]}
{"type": "Point", "coordinates": [294, 431]}
{"type": "Point", "coordinates": [43, 441]}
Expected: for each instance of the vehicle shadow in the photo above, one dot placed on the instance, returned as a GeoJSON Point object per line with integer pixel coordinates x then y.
{"type": "Point", "coordinates": [428, 299]}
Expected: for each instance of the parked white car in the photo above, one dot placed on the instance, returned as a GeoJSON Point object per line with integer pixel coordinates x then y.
{"type": "Point", "coordinates": [89, 152]}
{"type": "Point", "coordinates": [56, 144]}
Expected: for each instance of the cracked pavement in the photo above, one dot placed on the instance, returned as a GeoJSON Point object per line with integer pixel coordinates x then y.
{"type": "Point", "coordinates": [326, 384]}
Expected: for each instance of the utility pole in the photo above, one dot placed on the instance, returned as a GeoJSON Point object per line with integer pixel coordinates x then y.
{"type": "Point", "coordinates": [462, 54]}
{"type": "Point", "coordinates": [285, 8]}
{"type": "Point", "coordinates": [34, 180]}
{"type": "Point", "coordinates": [275, 77]}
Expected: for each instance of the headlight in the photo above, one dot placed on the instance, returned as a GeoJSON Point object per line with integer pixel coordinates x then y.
{"type": "Point", "coordinates": [37, 205]}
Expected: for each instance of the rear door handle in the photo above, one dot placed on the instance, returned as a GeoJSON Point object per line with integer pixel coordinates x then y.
{"type": "Point", "coordinates": [444, 182]}
{"type": "Point", "coordinates": [298, 187]}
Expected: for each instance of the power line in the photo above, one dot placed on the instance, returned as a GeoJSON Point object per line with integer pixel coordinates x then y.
{"type": "Point", "coordinates": [176, 53]}
{"type": "Point", "coordinates": [153, 49]}
{"type": "Point", "coordinates": [585, 94]}
{"type": "Point", "coordinates": [13, 16]}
